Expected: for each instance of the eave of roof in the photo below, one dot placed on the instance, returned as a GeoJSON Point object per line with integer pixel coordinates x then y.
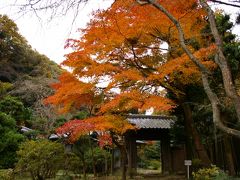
{"type": "Point", "coordinates": [151, 121]}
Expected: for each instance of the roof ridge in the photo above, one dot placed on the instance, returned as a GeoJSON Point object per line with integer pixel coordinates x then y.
{"type": "Point", "coordinates": [149, 116]}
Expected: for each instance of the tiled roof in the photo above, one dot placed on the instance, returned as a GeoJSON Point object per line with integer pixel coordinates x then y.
{"type": "Point", "coordinates": [151, 121]}
{"type": "Point", "coordinates": [25, 129]}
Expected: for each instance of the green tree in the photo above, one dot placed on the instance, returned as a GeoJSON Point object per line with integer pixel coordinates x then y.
{"type": "Point", "coordinates": [41, 158]}
{"type": "Point", "coordinates": [149, 155]}
{"type": "Point", "coordinates": [9, 140]}
{"type": "Point", "coordinates": [4, 88]}
{"type": "Point", "coordinates": [26, 74]}
{"type": "Point", "coordinates": [15, 108]}
{"type": "Point", "coordinates": [101, 157]}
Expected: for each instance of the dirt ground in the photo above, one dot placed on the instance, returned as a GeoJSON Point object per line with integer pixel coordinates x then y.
{"type": "Point", "coordinates": [146, 177]}
{"type": "Point", "coordinates": [170, 177]}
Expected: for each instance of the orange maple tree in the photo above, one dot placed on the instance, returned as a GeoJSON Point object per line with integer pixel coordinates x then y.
{"type": "Point", "coordinates": [122, 46]}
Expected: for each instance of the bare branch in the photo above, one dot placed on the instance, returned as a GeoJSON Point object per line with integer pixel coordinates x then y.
{"type": "Point", "coordinates": [225, 3]}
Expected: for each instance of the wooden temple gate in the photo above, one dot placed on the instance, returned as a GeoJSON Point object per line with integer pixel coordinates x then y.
{"type": "Point", "coordinates": [153, 128]}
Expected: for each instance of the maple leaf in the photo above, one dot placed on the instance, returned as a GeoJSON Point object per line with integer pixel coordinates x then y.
{"type": "Point", "coordinates": [136, 100]}
{"type": "Point", "coordinates": [104, 139]}
{"type": "Point", "coordinates": [74, 129]}
{"type": "Point", "coordinates": [71, 93]}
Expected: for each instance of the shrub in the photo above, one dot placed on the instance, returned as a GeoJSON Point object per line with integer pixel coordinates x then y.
{"type": "Point", "coordinates": [9, 141]}
{"type": "Point", "coordinates": [42, 159]}
{"type": "Point", "coordinates": [72, 163]}
{"type": "Point", "coordinates": [154, 164]}
{"type": "Point", "coordinates": [222, 176]}
{"type": "Point", "coordinates": [6, 174]}
{"type": "Point", "coordinates": [101, 156]}
{"type": "Point", "coordinates": [212, 173]}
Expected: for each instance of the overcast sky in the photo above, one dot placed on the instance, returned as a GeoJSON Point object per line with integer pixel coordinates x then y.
{"type": "Point", "coordinates": [49, 37]}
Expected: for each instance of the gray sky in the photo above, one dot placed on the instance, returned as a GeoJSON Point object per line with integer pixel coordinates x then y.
{"type": "Point", "coordinates": [49, 37]}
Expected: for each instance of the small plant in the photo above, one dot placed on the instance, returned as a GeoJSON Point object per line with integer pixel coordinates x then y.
{"type": "Point", "coordinates": [211, 173]}
{"type": "Point", "coordinates": [6, 174]}
{"type": "Point", "coordinates": [154, 164]}
{"type": "Point", "coordinates": [222, 176]}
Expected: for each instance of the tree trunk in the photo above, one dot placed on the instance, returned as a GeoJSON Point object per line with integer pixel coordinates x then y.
{"type": "Point", "coordinates": [229, 157]}
{"type": "Point", "coordinates": [228, 149]}
{"type": "Point", "coordinates": [84, 165]}
{"type": "Point", "coordinates": [216, 108]}
{"type": "Point", "coordinates": [123, 152]}
{"type": "Point", "coordinates": [106, 163]}
{"type": "Point", "coordinates": [112, 160]}
{"type": "Point", "coordinates": [189, 137]}
{"type": "Point", "coordinates": [93, 157]}
{"type": "Point", "coordinates": [84, 169]}
{"type": "Point", "coordinates": [123, 162]}
{"type": "Point", "coordinates": [201, 152]}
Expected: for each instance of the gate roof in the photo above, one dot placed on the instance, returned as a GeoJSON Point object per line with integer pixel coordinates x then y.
{"type": "Point", "coordinates": [151, 121]}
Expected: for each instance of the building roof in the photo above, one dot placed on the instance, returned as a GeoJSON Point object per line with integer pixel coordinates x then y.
{"type": "Point", "coordinates": [151, 121]}
{"type": "Point", "coordinates": [25, 129]}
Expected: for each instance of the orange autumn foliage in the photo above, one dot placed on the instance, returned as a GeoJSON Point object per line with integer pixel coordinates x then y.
{"type": "Point", "coordinates": [124, 33]}
{"type": "Point", "coordinates": [71, 93]}
{"type": "Point", "coordinates": [74, 129]}
{"type": "Point", "coordinates": [123, 45]}
{"type": "Point", "coordinates": [136, 100]}
{"type": "Point", "coordinates": [109, 122]}
{"type": "Point", "coordinates": [123, 42]}
{"type": "Point", "coordinates": [183, 70]}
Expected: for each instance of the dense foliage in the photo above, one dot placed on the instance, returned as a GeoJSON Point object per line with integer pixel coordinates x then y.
{"type": "Point", "coordinates": [25, 76]}
{"type": "Point", "coordinates": [149, 155]}
{"type": "Point", "coordinates": [211, 173]}
{"type": "Point", "coordinates": [18, 59]}
{"type": "Point", "coordinates": [41, 158]}
{"type": "Point", "coordinates": [23, 69]}
{"type": "Point", "coordinates": [9, 140]}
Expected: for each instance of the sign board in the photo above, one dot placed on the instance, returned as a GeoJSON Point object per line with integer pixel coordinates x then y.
{"type": "Point", "coordinates": [187, 162]}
